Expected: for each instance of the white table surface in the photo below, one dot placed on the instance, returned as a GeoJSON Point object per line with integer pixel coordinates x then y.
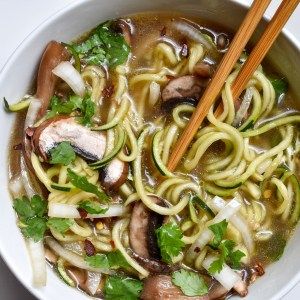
{"type": "Point", "coordinates": [33, 12]}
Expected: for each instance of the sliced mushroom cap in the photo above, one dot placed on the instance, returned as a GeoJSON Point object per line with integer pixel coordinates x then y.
{"type": "Point", "coordinates": [54, 54]}
{"type": "Point", "coordinates": [204, 69]}
{"type": "Point", "coordinates": [114, 174]}
{"type": "Point", "coordinates": [126, 29]}
{"type": "Point", "coordinates": [142, 231]}
{"type": "Point", "coordinates": [86, 143]}
{"type": "Point", "coordinates": [184, 89]}
{"type": "Point", "coordinates": [160, 287]}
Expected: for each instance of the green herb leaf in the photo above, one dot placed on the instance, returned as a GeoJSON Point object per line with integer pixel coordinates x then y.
{"type": "Point", "coordinates": [98, 260]}
{"type": "Point", "coordinates": [117, 260]}
{"type": "Point", "coordinates": [169, 241]}
{"type": "Point", "coordinates": [190, 283]}
{"type": "Point", "coordinates": [124, 288]}
{"type": "Point", "coordinates": [92, 207]}
{"type": "Point", "coordinates": [31, 214]}
{"type": "Point", "coordinates": [35, 228]}
{"type": "Point", "coordinates": [280, 86]}
{"type": "Point", "coordinates": [104, 45]}
{"type": "Point", "coordinates": [88, 110]}
{"type": "Point", "coordinates": [63, 153]}
{"type": "Point", "coordinates": [60, 224]}
{"type": "Point", "coordinates": [216, 266]}
{"type": "Point", "coordinates": [218, 230]}
{"type": "Point", "coordinates": [82, 183]}
{"type": "Point", "coordinates": [234, 259]}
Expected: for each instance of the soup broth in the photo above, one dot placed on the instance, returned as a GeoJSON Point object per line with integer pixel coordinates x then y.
{"type": "Point", "coordinates": [113, 219]}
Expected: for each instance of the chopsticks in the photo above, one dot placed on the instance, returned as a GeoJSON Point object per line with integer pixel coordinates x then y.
{"type": "Point", "coordinates": [238, 44]}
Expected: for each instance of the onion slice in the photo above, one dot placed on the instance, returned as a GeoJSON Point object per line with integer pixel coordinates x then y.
{"type": "Point", "coordinates": [71, 76]}
{"type": "Point", "coordinates": [37, 254]}
{"type": "Point", "coordinates": [227, 277]}
{"type": "Point", "coordinates": [32, 112]}
{"type": "Point", "coordinates": [72, 258]}
{"type": "Point", "coordinates": [206, 236]}
{"type": "Point", "coordinates": [61, 210]}
{"type": "Point", "coordinates": [93, 281]}
{"type": "Point", "coordinates": [237, 221]}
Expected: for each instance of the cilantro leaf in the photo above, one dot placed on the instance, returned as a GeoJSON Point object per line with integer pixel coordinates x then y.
{"type": "Point", "coordinates": [92, 207]}
{"type": "Point", "coordinates": [82, 183]}
{"type": "Point", "coordinates": [88, 111]}
{"type": "Point", "coordinates": [218, 230]}
{"type": "Point", "coordinates": [60, 224]}
{"type": "Point", "coordinates": [190, 283]}
{"type": "Point", "coordinates": [169, 241]}
{"type": "Point", "coordinates": [113, 260]}
{"type": "Point", "coordinates": [34, 228]}
{"type": "Point", "coordinates": [103, 46]}
{"type": "Point", "coordinates": [98, 260]}
{"type": "Point", "coordinates": [280, 86]}
{"type": "Point", "coordinates": [125, 288]}
{"type": "Point", "coordinates": [227, 255]}
{"type": "Point", "coordinates": [63, 153]}
{"type": "Point", "coordinates": [31, 214]}
{"type": "Point", "coordinates": [116, 260]}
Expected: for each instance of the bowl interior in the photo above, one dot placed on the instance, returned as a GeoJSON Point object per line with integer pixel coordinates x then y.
{"type": "Point", "coordinates": [77, 18]}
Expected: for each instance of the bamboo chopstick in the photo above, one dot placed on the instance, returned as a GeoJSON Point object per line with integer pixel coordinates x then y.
{"type": "Point", "coordinates": [238, 44]}
{"type": "Point", "coordinates": [269, 36]}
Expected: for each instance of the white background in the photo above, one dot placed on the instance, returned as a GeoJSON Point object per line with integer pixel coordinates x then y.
{"type": "Point", "coordinates": [34, 12]}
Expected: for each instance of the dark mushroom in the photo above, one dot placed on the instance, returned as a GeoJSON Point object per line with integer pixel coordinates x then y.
{"type": "Point", "coordinates": [203, 69]}
{"type": "Point", "coordinates": [125, 28]}
{"type": "Point", "coordinates": [54, 54]}
{"type": "Point", "coordinates": [142, 230]}
{"type": "Point", "coordinates": [184, 89]}
{"type": "Point", "coordinates": [222, 42]}
{"type": "Point", "coordinates": [79, 276]}
{"type": "Point", "coordinates": [86, 143]}
{"type": "Point", "coordinates": [114, 174]}
{"type": "Point", "coordinates": [160, 287]}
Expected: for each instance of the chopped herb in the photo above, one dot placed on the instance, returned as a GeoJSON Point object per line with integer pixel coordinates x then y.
{"type": "Point", "coordinates": [60, 224]}
{"type": "Point", "coordinates": [63, 153]}
{"type": "Point", "coordinates": [117, 260]}
{"type": "Point", "coordinates": [190, 283]}
{"type": "Point", "coordinates": [169, 241]}
{"type": "Point", "coordinates": [112, 260]}
{"type": "Point", "coordinates": [218, 230]}
{"type": "Point", "coordinates": [92, 207]}
{"type": "Point", "coordinates": [103, 46]}
{"type": "Point", "coordinates": [31, 215]}
{"type": "Point", "coordinates": [98, 260]}
{"type": "Point", "coordinates": [227, 255]}
{"type": "Point", "coordinates": [82, 183]}
{"type": "Point", "coordinates": [280, 86]}
{"type": "Point", "coordinates": [88, 110]}
{"type": "Point", "coordinates": [125, 288]}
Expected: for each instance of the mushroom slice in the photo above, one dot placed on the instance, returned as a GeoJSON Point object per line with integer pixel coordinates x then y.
{"type": "Point", "coordinates": [86, 143]}
{"type": "Point", "coordinates": [142, 228]}
{"type": "Point", "coordinates": [203, 69]}
{"type": "Point", "coordinates": [183, 89]}
{"type": "Point", "coordinates": [160, 287]}
{"type": "Point", "coordinates": [114, 174]}
{"type": "Point", "coordinates": [54, 54]}
{"type": "Point", "coordinates": [126, 29]}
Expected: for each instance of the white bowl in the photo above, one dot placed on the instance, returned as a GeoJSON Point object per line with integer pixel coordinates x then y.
{"type": "Point", "coordinates": [17, 75]}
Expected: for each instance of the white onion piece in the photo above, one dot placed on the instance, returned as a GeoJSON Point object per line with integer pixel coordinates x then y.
{"type": "Point", "coordinates": [32, 112]}
{"type": "Point", "coordinates": [193, 33]}
{"type": "Point", "coordinates": [15, 186]}
{"type": "Point", "coordinates": [227, 277]}
{"type": "Point", "coordinates": [93, 281]}
{"type": "Point", "coordinates": [71, 76]}
{"type": "Point", "coordinates": [37, 254]}
{"type": "Point", "coordinates": [74, 247]}
{"type": "Point", "coordinates": [207, 235]}
{"type": "Point", "coordinates": [72, 258]}
{"type": "Point", "coordinates": [154, 92]}
{"type": "Point", "coordinates": [26, 178]}
{"type": "Point", "coordinates": [241, 113]}
{"type": "Point", "coordinates": [61, 210]}
{"type": "Point", "coordinates": [237, 221]}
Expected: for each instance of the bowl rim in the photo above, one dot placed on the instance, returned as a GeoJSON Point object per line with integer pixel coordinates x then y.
{"type": "Point", "coordinates": [4, 253]}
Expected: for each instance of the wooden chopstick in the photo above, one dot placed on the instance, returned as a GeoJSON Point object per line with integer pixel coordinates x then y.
{"type": "Point", "coordinates": [238, 44]}
{"type": "Point", "coordinates": [255, 58]}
